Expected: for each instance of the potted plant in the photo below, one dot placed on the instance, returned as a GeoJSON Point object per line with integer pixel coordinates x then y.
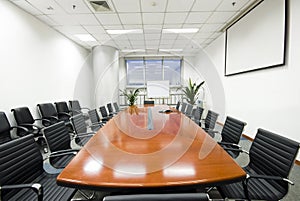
{"type": "Point", "coordinates": [191, 91]}
{"type": "Point", "coordinates": [131, 96]}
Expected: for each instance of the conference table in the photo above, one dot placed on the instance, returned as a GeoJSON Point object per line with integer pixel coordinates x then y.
{"type": "Point", "coordinates": [148, 148]}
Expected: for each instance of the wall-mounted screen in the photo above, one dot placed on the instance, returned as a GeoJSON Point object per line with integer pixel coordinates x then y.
{"type": "Point", "coordinates": [257, 40]}
{"type": "Point", "coordinates": [158, 89]}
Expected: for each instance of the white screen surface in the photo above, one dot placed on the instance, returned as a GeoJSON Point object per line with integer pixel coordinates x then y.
{"type": "Point", "coordinates": [158, 89]}
{"type": "Point", "coordinates": [257, 40]}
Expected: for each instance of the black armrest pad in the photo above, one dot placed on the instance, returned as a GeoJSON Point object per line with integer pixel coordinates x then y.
{"type": "Point", "coordinates": [36, 187]}
{"type": "Point", "coordinates": [20, 127]}
{"type": "Point", "coordinates": [237, 150]}
{"type": "Point", "coordinates": [64, 113]}
{"type": "Point", "coordinates": [230, 144]}
{"type": "Point", "coordinates": [268, 177]}
{"type": "Point", "coordinates": [33, 125]}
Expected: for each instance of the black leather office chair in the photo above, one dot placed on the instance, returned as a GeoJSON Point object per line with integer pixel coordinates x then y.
{"type": "Point", "coordinates": [59, 142]}
{"type": "Point", "coordinates": [271, 159]}
{"type": "Point", "coordinates": [22, 174]}
{"type": "Point", "coordinates": [25, 119]}
{"type": "Point", "coordinates": [177, 105]}
{"type": "Point", "coordinates": [160, 197]}
{"type": "Point", "coordinates": [210, 122]}
{"type": "Point", "coordinates": [116, 106]}
{"type": "Point", "coordinates": [231, 134]}
{"type": "Point", "coordinates": [63, 109]}
{"type": "Point", "coordinates": [82, 136]}
{"type": "Point", "coordinates": [148, 102]}
{"type": "Point", "coordinates": [183, 107]}
{"type": "Point", "coordinates": [77, 109]}
{"type": "Point", "coordinates": [104, 114]}
{"type": "Point", "coordinates": [5, 129]}
{"type": "Point", "coordinates": [197, 115]}
{"type": "Point", "coordinates": [110, 109]}
{"type": "Point", "coordinates": [95, 120]}
{"type": "Point", "coordinates": [189, 110]}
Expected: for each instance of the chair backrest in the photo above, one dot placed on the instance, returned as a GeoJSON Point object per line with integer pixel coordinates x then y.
{"type": "Point", "coordinates": [23, 115]}
{"type": "Point", "coordinates": [160, 197]}
{"type": "Point", "coordinates": [109, 107]}
{"type": "Point", "coordinates": [272, 154]}
{"type": "Point", "coordinates": [4, 129]}
{"type": "Point", "coordinates": [189, 110]}
{"type": "Point", "coordinates": [232, 130]}
{"type": "Point", "coordinates": [75, 107]}
{"type": "Point", "coordinates": [94, 117]}
{"type": "Point", "coordinates": [116, 106]}
{"type": "Point", "coordinates": [62, 107]}
{"type": "Point", "coordinates": [211, 119]}
{"type": "Point", "coordinates": [198, 114]}
{"type": "Point", "coordinates": [18, 158]}
{"type": "Point", "coordinates": [78, 123]}
{"type": "Point", "coordinates": [148, 102]}
{"type": "Point", "coordinates": [178, 105]}
{"type": "Point", "coordinates": [103, 111]}
{"type": "Point", "coordinates": [47, 110]}
{"type": "Point", "coordinates": [183, 107]}
{"type": "Point", "coordinates": [57, 136]}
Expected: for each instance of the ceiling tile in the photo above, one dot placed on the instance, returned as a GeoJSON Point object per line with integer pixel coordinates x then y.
{"type": "Point", "coordinates": [152, 28]}
{"type": "Point", "coordinates": [47, 6]}
{"type": "Point", "coordinates": [179, 5]}
{"type": "Point", "coordinates": [203, 35]}
{"type": "Point", "coordinates": [73, 6]}
{"type": "Point", "coordinates": [47, 20]}
{"type": "Point", "coordinates": [150, 18]}
{"type": "Point", "coordinates": [136, 36]}
{"type": "Point", "coordinates": [153, 5]}
{"type": "Point", "coordinates": [172, 26]}
{"type": "Point", "coordinates": [64, 19]}
{"type": "Point", "coordinates": [152, 36]}
{"type": "Point", "coordinates": [198, 17]}
{"type": "Point", "coordinates": [175, 18]}
{"type": "Point", "coordinates": [192, 25]}
{"type": "Point", "coordinates": [94, 29]}
{"type": "Point", "coordinates": [227, 5]}
{"type": "Point", "coordinates": [206, 5]}
{"type": "Point", "coordinates": [220, 17]}
{"type": "Point", "coordinates": [129, 6]}
{"type": "Point", "coordinates": [27, 7]}
{"type": "Point", "coordinates": [108, 19]}
{"type": "Point", "coordinates": [113, 27]}
{"type": "Point", "coordinates": [131, 18]}
{"type": "Point", "coordinates": [101, 37]}
{"type": "Point", "coordinates": [169, 36]}
{"type": "Point", "coordinates": [71, 29]}
{"type": "Point", "coordinates": [86, 19]}
{"type": "Point", "coordinates": [211, 27]}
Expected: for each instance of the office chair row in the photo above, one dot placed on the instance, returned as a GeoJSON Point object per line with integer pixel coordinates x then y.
{"type": "Point", "coordinates": [271, 158]}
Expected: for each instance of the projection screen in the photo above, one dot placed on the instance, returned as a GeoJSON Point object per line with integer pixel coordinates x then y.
{"type": "Point", "coordinates": [257, 40]}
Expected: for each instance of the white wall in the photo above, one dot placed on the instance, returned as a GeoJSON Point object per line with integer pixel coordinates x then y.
{"type": "Point", "coordinates": [106, 75]}
{"type": "Point", "coordinates": [37, 63]}
{"type": "Point", "coordinates": [269, 98]}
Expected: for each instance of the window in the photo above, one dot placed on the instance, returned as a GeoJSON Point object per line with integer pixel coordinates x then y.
{"type": "Point", "coordinates": [139, 71]}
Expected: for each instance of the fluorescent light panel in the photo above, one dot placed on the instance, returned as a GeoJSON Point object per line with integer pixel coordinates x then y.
{"type": "Point", "coordinates": [133, 50]}
{"type": "Point", "coordinates": [189, 30]}
{"type": "Point", "coordinates": [170, 50]}
{"type": "Point", "coordinates": [85, 37]}
{"type": "Point", "coordinates": [123, 31]}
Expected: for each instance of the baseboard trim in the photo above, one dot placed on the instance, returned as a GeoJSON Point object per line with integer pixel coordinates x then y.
{"type": "Point", "coordinates": [251, 139]}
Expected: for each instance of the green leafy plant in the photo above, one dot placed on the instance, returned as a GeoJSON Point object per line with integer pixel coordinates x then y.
{"type": "Point", "coordinates": [191, 91]}
{"type": "Point", "coordinates": [131, 95]}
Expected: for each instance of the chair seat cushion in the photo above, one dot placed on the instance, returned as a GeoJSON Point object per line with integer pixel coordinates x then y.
{"type": "Point", "coordinates": [61, 161]}
{"type": "Point", "coordinates": [259, 189]}
{"type": "Point", "coordinates": [52, 192]}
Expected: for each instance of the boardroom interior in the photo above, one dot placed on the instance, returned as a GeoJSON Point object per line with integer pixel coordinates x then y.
{"type": "Point", "coordinates": [45, 60]}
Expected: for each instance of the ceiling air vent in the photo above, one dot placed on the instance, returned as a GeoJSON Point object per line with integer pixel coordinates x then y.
{"type": "Point", "coordinates": [100, 6]}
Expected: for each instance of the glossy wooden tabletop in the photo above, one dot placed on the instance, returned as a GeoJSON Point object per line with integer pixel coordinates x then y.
{"type": "Point", "coordinates": [125, 153]}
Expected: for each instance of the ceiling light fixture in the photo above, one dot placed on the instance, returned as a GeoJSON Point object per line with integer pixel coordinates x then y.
{"type": "Point", "coordinates": [123, 31]}
{"type": "Point", "coordinates": [133, 50]}
{"type": "Point", "coordinates": [170, 50]}
{"type": "Point", "coordinates": [188, 30]}
{"type": "Point", "coordinates": [85, 37]}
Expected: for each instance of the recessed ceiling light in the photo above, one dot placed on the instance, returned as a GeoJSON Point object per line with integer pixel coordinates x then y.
{"type": "Point", "coordinates": [170, 50]}
{"type": "Point", "coordinates": [133, 50]}
{"type": "Point", "coordinates": [123, 31]}
{"type": "Point", "coordinates": [85, 37]}
{"type": "Point", "coordinates": [189, 30]}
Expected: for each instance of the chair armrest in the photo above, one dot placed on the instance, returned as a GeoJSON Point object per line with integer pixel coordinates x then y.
{"type": "Point", "coordinates": [33, 125]}
{"type": "Point", "coordinates": [64, 113]}
{"type": "Point", "coordinates": [53, 117]}
{"type": "Point", "coordinates": [85, 108]}
{"type": "Point", "coordinates": [63, 153]}
{"type": "Point", "coordinates": [81, 135]}
{"type": "Point", "coordinates": [237, 150]}
{"type": "Point", "coordinates": [231, 144]}
{"type": "Point", "coordinates": [268, 177]}
{"type": "Point", "coordinates": [36, 187]}
{"type": "Point", "coordinates": [20, 127]}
